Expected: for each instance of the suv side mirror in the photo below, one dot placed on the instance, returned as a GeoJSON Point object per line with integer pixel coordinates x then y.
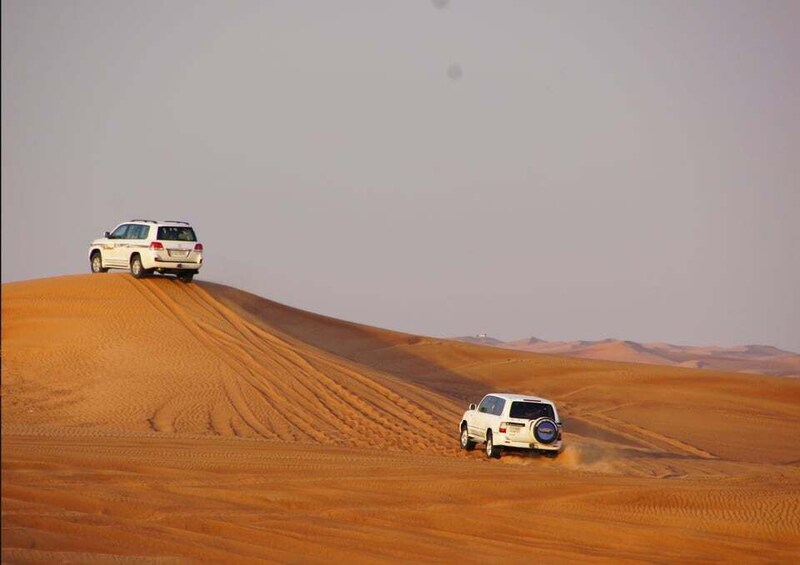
{"type": "Point", "coordinates": [106, 234]}
{"type": "Point", "coordinates": [471, 406]}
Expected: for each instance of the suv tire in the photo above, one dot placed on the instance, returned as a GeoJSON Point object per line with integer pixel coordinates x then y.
{"type": "Point", "coordinates": [466, 443]}
{"type": "Point", "coordinates": [492, 450]}
{"type": "Point", "coordinates": [137, 270]}
{"type": "Point", "coordinates": [97, 263]}
{"type": "Point", "coordinates": [186, 276]}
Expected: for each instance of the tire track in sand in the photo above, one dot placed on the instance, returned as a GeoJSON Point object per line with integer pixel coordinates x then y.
{"type": "Point", "coordinates": [277, 430]}
{"type": "Point", "coordinates": [291, 391]}
{"type": "Point", "coordinates": [306, 357]}
{"type": "Point", "coordinates": [303, 360]}
{"type": "Point", "coordinates": [641, 435]}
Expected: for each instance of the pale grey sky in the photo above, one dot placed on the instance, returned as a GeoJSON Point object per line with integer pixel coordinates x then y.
{"type": "Point", "coordinates": [553, 168]}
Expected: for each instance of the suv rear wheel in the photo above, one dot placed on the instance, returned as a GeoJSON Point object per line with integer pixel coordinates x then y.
{"type": "Point", "coordinates": [492, 450]}
{"type": "Point", "coordinates": [137, 270]}
{"type": "Point", "coordinates": [186, 276]}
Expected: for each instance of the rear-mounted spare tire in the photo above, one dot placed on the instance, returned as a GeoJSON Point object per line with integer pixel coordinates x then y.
{"type": "Point", "coordinates": [545, 431]}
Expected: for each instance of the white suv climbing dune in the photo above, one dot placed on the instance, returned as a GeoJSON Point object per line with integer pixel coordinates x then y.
{"type": "Point", "coordinates": [148, 246]}
{"type": "Point", "coordinates": [512, 421]}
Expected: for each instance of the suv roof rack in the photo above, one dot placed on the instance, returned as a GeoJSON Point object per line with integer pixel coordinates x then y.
{"type": "Point", "coordinates": [177, 222]}
{"type": "Point", "coordinates": [141, 220]}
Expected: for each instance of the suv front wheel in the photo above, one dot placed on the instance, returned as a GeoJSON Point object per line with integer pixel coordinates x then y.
{"type": "Point", "coordinates": [466, 443]}
{"type": "Point", "coordinates": [97, 263]}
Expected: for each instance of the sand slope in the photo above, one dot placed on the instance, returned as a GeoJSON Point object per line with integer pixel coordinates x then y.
{"type": "Point", "coordinates": [156, 355]}
{"type": "Point", "coordinates": [153, 419]}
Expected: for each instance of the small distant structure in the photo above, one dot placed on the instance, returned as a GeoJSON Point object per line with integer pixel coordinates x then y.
{"type": "Point", "coordinates": [482, 336]}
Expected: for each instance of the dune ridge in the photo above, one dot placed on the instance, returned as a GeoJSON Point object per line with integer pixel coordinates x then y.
{"type": "Point", "coordinates": [153, 420]}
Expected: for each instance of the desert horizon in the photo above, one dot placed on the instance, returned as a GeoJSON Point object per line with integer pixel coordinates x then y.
{"type": "Point", "coordinates": [762, 359]}
{"type": "Point", "coordinates": [151, 419]}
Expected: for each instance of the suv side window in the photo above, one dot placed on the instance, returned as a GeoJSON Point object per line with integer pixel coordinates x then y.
{"type": "Point", "coordinates": [499, 404]}
{"type": "Point", "coordinates": [492, 405]}
{"type": "Point", "coordinates": [485, 405]}
{"type": "Point", "coordinates": [138, 232]}
{"type": "Point", "coordinates": [120, 232]}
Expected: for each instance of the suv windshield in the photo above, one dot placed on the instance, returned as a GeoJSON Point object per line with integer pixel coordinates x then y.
{"type": "Point", "coordinates": [531, 410]}
{"type": "Point", "coordinates": [176, 233]}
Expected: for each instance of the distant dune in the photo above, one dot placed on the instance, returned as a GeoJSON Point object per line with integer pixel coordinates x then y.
{"type": "Point", "coordinates": [157, 421]}
{"type": "Point", "coordinates": [756, 359]}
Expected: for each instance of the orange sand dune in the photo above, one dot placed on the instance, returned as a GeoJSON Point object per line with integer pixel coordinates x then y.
{"type": "Point", "coordinates": [156, 420]}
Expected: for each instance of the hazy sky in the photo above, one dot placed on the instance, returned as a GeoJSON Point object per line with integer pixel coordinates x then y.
{"type": "Point", "coordinates": [561, 169]}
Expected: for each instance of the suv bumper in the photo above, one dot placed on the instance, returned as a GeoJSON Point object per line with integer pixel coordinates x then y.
{"type": "Point", "coordinates": [158, 263]}
{"type": "Point", "coordinates": [533, 444]}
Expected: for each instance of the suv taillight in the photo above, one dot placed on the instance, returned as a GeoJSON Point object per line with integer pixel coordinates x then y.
{"type": "Point", "coordinates": [198, 247]}
{"type": "Point", "coordinates": [503, 427]}
{"type": "Point", "coordinates": [156, 246]}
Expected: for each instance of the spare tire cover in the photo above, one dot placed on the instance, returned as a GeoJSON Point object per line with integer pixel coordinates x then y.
{"type": "Point", "coordinates": [545, 430]}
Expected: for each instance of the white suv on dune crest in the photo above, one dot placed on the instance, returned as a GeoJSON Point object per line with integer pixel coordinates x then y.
{"type": "Point", "coordinates": [512, 421]}
{"type": "Point", "coordinates": [147, 246]}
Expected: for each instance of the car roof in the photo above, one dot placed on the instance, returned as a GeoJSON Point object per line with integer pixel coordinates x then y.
{"type": "Point", "coordinates": [519, 397]}
{"type": "Point", "coordinates": [160, 222]}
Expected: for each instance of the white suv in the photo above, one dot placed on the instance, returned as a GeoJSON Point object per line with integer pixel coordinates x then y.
{"type": "Point", "coordinates": [147, 246]}
{"type": "Point", "coordinates": [512, 420]}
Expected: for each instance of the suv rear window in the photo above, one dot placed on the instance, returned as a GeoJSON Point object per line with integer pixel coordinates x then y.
{"type": "Point", "coordinates": [531, 410]}
{"type": "Point", "coordinates": [176, 233]}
